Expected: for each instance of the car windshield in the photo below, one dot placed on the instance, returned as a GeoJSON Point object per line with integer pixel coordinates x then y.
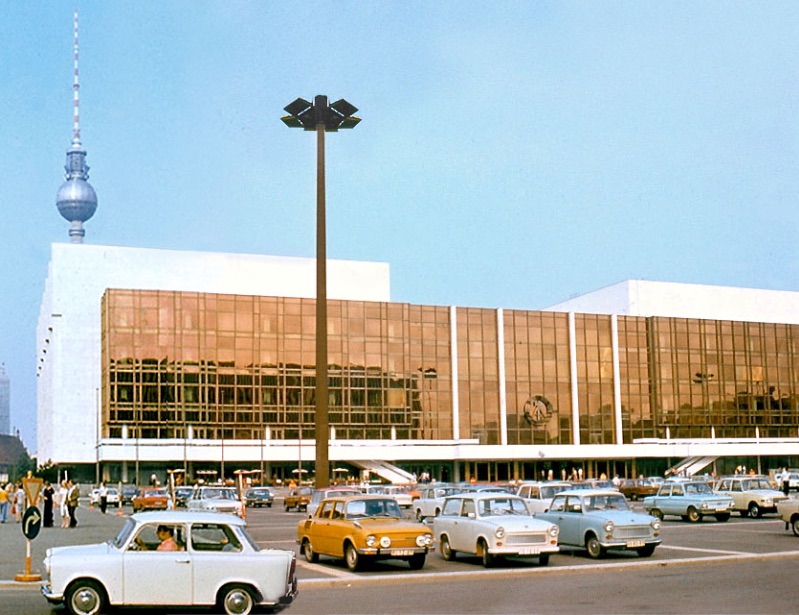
{"type": "Point", "coordinates": [695, 488]}
{"type": "Point", "coordinates": [357, 509]}
{"type": "Point", "coordinates": [219, 494]}
{"type": "Point", "coordinates": [502, 506]}
{"type": "Point", "coordinates": [122, 537]}
{"type": "Point", "coordinates": [605, 502]}
{"type": "Point", "coordinates": [756, 483]}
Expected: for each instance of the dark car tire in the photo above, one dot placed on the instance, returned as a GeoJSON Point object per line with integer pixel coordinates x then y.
{"type": "Point", "coordinates": [352, 558]}
{"type": "Point", "coordinates": [287, 508]}
{"type": "Point", "coordinates": [646, 551]}
{"type": "Point", "coordinates": [236, 600]}
{"type": "Point", "coordinates": [543, 560]}
{"type": "Point", "coordinates": [447, 552]}
{"type": "Point", "coordinates": [595, 550]}
{"type": "Point", "coordinates": [693, 515]}
{"type": "Point", "coordinates": [656, 512]}
{"type": "Point", "coordinates": [795, 525]}
{"type": "Point", "coordinates": [485, 556]}
{"type": "Point", "coordinates": [85, 597]}
{"type": "Point", "coordinates": [723, 517]}
{"type": "Point", "coordinates": [754, 511]}
{"type": "Point", "coordinates": [416, 562]}
{"type": "Point", "coordinates": [310, 555]}
{"type": "Point", "coordinates": [419, 515]}
{"type": "Point", "coordinates": [269, 505]}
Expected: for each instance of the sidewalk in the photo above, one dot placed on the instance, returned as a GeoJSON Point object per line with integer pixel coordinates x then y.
{"type": "Point", "coordinates": [93, 526]}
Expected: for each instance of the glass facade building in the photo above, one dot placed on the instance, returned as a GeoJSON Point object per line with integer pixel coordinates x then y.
{"type": "Point", "coordinates": [214, 366]}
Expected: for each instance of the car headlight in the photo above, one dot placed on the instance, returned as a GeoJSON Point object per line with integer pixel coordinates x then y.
{"type": "Point", "coordinates": [704, 505]}
{"type": "Point", "coordinates": [371, 540]}
{"type": "Point", "coordinates": [499, 532]}
{"type": "Point", "coordinates": [768, 502]}
{"type": "Point", "coordinates": [655, 524]}
{"type": "Point", "coordinates": [554, 530]}
{"type": "Point", "coordinates": [424, 540]}
{"type": "Point", "coordinates": [385, 542]}
{"type": "Point", "coordinates": [608, 527]}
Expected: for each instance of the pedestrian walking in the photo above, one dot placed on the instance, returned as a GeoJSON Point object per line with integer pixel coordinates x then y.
{"type": "Point", "coordinates": [72, 502]}
{"type": "Point", "coordinates": [19, 503]}
{"type": "Point", "coordinates": [3, 504]}
{"type": "Point", "coordinates": [61, 498]}
{"type": "Point", "coordinates": [103, 493]}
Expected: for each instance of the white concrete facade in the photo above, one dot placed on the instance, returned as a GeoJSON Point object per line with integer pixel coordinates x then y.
{"type": "Point", "coordinates": [670, 299]}
{"type": "Point", "coordinates": [69, 327]}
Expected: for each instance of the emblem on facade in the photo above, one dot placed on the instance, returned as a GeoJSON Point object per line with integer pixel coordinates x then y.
{"type": "Point", "coordinates": [537, 410]}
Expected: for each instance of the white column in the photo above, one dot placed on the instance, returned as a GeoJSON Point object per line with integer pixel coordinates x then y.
{"type": "Point", "coordinates": [503, 400]}
{"type": "Point", "coordinates": [573, 379]}
{"type": "Point", "coordinates": [453, 334]}
{"type": "Point", "coordinates": [614, 341]}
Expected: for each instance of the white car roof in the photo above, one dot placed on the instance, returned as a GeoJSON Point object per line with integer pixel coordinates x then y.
{"type": "Point", "coordinates": [184, 516]}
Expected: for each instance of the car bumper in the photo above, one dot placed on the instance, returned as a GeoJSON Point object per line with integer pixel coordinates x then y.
{"type": "Point", "coordinates": [394, 552]}
{"type": "Point", "coordinates": [518, 551]}
{"type": "Point", "coordinates": [52, 598]}
{"type": "Point", "coordinates": [630, 543]}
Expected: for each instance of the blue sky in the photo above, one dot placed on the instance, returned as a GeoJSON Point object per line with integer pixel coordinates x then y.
{"type": "Point", "coordinates": [511, 154]}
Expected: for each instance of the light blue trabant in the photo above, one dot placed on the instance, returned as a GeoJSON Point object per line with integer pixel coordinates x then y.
{"type": "Point", "coordinates": [689, 500]}
{"type": "Point", "coordinates": [493, 524]}
{"type": "Point", "coordinates": [600, 519]}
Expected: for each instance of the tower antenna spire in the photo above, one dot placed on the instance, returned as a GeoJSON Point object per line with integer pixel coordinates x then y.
{"type": "Point", "coordinates": [76, 199]}
{"type": "Point", "coordinates": [76, 85]}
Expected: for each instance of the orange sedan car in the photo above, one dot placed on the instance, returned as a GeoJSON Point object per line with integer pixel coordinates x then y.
{"type": "Point", "coordinates": [150, 498]}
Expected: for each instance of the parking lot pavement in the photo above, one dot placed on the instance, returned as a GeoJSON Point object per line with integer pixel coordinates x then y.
{"type": "Point", "coordinates": [93, 526]}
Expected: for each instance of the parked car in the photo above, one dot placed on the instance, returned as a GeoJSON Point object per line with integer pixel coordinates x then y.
{"type": "Point", "coordinates": [751, 495]}
{"type": "Point", "coordinates": [493, 525]}
{"type": "Point", "coordinates": [431, 500]}
{"type": "Point", "coordinates": [259, 496]}
{"type": "Point", "coordinates": [128, 491]}
{"type": "Point", "coordinates": [182, 495]}
{"type": "Point", "coordinates": [329, 492]}
{"type": "Point", "coordinates": [111, 496]}
{"type": "Point", "coordinates": [601, 519]}
{"type": "Point", "coordinates": [401, 494]}
{"type": "Point", "coordinates": [363, 528]}
{"type": "Point", "coordinates": [211, 498]}
{"type": "Point", "coordinates": [298, 499]}
{"type": "Point", "coordinates": [789, 512]}
{"type": "Point", "coordinates": [691, 501]}
{"type": "Point", "coordinates": [217, 564]}
{"type": "Point", "coordinates": [637, 488]}
{"type": "Point", "coordinates": [150, 498]}
{"type": "Point", "coordinates": [539, 495]}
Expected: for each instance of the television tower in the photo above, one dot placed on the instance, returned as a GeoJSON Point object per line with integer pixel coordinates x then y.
{"type": "Point", "coordinates": [76, 199]}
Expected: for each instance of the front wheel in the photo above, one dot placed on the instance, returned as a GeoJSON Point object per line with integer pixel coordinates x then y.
{"type": "Point", "coordinates": [352, 558]}
{"type": "Point", "coordinates": [447, 552]}
{"type": "Point", "coordinates": [656, 512]}
{"type": "Point", "coordinates": [488, 559]}
{"type": "Point", "coordinates": [646, 551]}
{"type": "Point", "coordinates": [419, 515]}
{"type": "Point", "coordinates": [754, 511]}
{"type": "Point", "coordinates": [543, 560]}
{"type": "Point", "coordinates": [416, 562]}
{"type": "Point", "coordinates": [795, 526]}
{"type": "Point", "coordinates": [693, 515]}
{"type": "Point", "coordinates": [85, 598]}
{"type": "Point", "coordinates": [236, 600]}
{"type": "Point", "coordinates": [595, 550]}
{"type": "Point", "coordinates": [723, 517]}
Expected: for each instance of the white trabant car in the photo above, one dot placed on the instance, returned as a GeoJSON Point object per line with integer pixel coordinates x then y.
{"type": "Point", "coordinates": [175, 559]}
{"type": "Point", "coordinates": [210, 498]}
{"type": "Point", "coordinates": [399, 493]}
{"type": "Point", "coordinates": [492, 525]}
{"type": "Point", "coordinates": [431, 499]}
{"type": "Point", "coordinates": [789, 512]}
{"type": "Point", "coordinates": [752, 495]}
{"type": "Point", "coordinates": [539, 495]}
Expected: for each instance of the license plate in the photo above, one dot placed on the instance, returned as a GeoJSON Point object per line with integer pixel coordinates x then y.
{"type": "Point", "coordinates": [529, 551]}
{"type": "Point", "coordinates": [721, 510]}
{"type": "Point", "coordinates": [632, 544]}
{"type": "Point", "coordinates": [401, 552]}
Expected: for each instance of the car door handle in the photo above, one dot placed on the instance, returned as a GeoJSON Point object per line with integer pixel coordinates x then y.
{"type": "Point", "coordinates": [183, 561]}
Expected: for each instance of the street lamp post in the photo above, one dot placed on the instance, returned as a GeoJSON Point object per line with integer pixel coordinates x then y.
{"type": "Point", "coordinates": [321, 117]}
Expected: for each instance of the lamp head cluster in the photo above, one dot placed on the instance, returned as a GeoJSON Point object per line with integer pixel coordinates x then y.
{"type": "Point", "coordinates": [306, 115]}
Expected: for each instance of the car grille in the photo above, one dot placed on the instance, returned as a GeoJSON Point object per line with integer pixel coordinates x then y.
{"type": "Point", "coordinates": [633, 531]}
{"type": "Point", "coordinates": [527, 539]}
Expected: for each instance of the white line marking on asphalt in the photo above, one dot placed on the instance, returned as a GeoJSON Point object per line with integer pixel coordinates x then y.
{"type": "Point", "coordinates": [695, 550]}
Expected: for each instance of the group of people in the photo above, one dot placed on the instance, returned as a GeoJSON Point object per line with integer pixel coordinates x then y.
{"type": "Point", "coordinates": [13, 502]}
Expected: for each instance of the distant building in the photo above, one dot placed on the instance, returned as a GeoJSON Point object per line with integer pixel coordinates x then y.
{"type": "Point", "coordinates": [153, 360]}
{"type": "Point", "coordinates": [5, 402]}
